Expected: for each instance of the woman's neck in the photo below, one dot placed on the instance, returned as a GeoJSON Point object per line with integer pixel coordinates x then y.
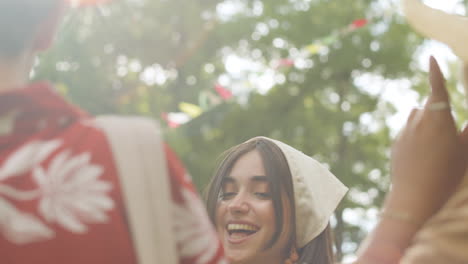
{"type": "Point", "coordinates": [14, 73]}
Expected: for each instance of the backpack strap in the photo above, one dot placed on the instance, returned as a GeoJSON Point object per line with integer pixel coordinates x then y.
{"type": "Point", "coordinates": [140, 160]}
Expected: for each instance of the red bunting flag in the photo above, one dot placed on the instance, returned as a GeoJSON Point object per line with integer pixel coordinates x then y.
{"type": "Point", "coordinates": [223, 92]}
{"type": "Point", "coordinates": [358, 23]}
{"type": "Point", "coordinates": [285, 63]}
{"type": "Point", "coordinates": [170, 123]}
{"type": "Point", "coordinates": [80, 3]}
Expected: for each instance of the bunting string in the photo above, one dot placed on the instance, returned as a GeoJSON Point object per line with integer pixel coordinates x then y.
{"type": "Point", "coordinates": [208, 100]}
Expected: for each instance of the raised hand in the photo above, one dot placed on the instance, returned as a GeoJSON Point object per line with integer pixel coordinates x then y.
{"type": "Point", "coordinates": [427, 164]}
{"type": "Point", "coordinates": [428, 156]}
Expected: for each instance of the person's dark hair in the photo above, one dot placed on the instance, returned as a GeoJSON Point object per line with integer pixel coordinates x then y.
{"type": "Point", "coordinates": [319, 250]}
{"type": "Point", "coordinates": [18, 23]}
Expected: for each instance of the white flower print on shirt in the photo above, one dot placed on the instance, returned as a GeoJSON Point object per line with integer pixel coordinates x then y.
{"type": "Point", "coordinates": [27, 157]}
{"type": "Point", "coordinates": [69, 191]}
{"type": "Point", "coordinates": [72, 193]}
{"type": "Point", "coordinates": [21, 228]}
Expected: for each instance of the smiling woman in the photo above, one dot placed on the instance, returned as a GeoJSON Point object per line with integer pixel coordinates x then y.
{"type": "Point", "coordinates": [271, 204]}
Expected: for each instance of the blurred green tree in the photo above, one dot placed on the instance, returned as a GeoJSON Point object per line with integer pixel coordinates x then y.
{"type": "Point", "coordinates": [146, 56]}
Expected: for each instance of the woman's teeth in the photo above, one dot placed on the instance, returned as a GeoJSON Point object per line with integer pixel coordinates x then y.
{"type": "Point", "coordinates": [238, 231]}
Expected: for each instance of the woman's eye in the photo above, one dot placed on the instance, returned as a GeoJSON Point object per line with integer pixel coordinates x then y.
{"type": "Point", "coordinates": [227, 195]}
{"type": "Point", "coordinates": [263, 195]}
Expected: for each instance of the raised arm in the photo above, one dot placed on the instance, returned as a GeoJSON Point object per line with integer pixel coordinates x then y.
{"type": "Point", "coordinates": [427, 165]}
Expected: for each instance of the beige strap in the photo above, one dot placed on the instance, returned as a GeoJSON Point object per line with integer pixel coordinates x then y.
{"type": "Point", "coordinates": [139, 155]}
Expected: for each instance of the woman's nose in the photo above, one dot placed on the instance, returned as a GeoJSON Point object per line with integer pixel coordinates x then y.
{"type": "Point", "coordinates": [239, 204]}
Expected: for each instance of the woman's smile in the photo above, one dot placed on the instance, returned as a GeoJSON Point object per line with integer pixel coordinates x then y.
{"type": "Point", "coordinates": [239, 231]}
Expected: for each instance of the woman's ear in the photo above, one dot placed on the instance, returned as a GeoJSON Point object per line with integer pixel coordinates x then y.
{"type": "Point", "coordinates": [47, 30]}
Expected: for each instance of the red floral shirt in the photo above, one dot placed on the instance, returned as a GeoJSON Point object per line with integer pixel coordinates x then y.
{"type": "Point", "coordinates": [60, 197]}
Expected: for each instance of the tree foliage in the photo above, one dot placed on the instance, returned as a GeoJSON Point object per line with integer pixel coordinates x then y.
{"type": "Point", "coordinates": [145, 57]}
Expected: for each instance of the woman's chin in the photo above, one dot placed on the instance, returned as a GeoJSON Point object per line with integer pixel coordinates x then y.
{"type": "Point", "coordinates": [237, 258]}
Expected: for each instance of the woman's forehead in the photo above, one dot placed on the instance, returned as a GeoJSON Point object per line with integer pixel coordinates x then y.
{"type": "Point", "coordinates": [248, 165]}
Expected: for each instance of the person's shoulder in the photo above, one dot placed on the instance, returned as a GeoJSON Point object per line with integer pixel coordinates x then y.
{"type": "Point", "coordinates": [99, 135]}
{"type": "Point", "coordinates": [99, 128]}
{"type": "Point", "coordinates": [126, 124]}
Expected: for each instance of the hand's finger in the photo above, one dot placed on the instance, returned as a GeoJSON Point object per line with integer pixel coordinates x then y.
{"type": "Point", "coordinates": [415, 118]}
{"type": "Point", "coordinates": [464, 136]}
{"type": "Point", "coordinates": [413, 114]}
{"type": "Point", "coordinates": [439, 92]}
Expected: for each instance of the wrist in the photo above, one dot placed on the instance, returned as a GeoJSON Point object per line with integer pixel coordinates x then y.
{"type": "Point", "coordinates": [387, 242]}
{"type": "Point", "coordinates": [402, 216]}
{"type": "Point", "coordinates": [410, 209]}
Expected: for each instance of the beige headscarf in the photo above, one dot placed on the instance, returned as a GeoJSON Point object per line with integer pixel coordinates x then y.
{"type": "Point", "coordinates": [317, 193]}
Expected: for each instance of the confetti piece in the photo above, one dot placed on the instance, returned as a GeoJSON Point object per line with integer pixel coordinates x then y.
{"type": "Point", "coordinates": [314, 48]}
{"type": "Point", "coordinates": [223, 92]}
{"type": "Point", "coordinates": [82, 3]}
{"type": "Point", "coordinates": [328, 40]}
{"type": "Point", "coordinates": [358, 23]}
{"type": "Point", "coordinates": [170, 123]}
{"type": "Point", "coordinates": [206, 100]}
{"type": "Point", "coordinates": [203, 100]}
{"type": "Point", "coordinates": [190, 109]}
{"type": "Point", "coordinates": [284, 63]}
